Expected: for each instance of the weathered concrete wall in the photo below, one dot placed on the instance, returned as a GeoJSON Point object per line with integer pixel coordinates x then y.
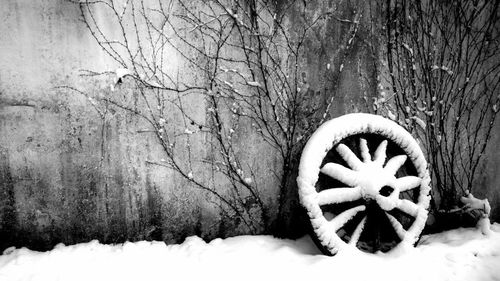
{"type": "Point", "coordinates": [487, 184]}
{"type": "Point", "coordinates": [68, 174]}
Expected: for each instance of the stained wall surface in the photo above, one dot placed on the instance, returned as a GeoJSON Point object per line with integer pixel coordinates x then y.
{"type": "Point", "coordinates": [68, 174]}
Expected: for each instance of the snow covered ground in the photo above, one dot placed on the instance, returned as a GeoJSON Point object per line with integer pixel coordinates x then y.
{"type": "Point", "coordinates": [461, 254]}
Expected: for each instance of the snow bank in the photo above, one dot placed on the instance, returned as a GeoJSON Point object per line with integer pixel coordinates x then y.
{"type": "Point", "coordinates": [462, 254]}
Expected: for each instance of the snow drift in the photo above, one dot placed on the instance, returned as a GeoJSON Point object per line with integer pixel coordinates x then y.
{"type": "Point", "coordinates": [461, 254]}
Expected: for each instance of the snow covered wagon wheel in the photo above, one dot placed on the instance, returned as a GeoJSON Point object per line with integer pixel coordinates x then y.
{"type": "Point", "coordinates": [353, 196]}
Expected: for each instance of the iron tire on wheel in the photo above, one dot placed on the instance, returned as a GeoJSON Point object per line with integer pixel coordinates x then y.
{"type": "Point", "coordinates": [365, 177]}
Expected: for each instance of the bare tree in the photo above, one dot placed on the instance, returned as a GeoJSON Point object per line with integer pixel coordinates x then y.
{"type": "Point", "coordinates": [247, 66]}
{"type": "Point", "coordinates": [444, 67]}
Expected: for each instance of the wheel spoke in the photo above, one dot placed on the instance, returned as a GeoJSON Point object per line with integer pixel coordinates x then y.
{"type": "Point", "coordinates": [379, 156]}
{"type": "Point", "coordinates": [365, 152]}
{"type": "Point", "coordinates": [339, 195]}
{"type": "Point", "coordinates": [341, 219]}
{"type": "Point", "coordinates": [357, 232]}
{"type": "Point", "coordinates": [398, 227]}
{"type": "Point", "coordinates": [341, 173]}
{"type": "Point", "coordinates": [350, 158]}
{"type": "Point", "coordinates": [407, 183]}
{"type": "Point", "coordinates": [395, 163]}
{"type": "Point", "coordinates": [407, 207]}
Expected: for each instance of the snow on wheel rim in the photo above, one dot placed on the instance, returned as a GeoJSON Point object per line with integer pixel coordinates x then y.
{"type": "Point", "coordinates": [364, 178]}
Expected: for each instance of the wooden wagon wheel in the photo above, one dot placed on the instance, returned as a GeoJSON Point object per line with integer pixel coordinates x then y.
{"type": "Point", "coordinates": [353, 196]}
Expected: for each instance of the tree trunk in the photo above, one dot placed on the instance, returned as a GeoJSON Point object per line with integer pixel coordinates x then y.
{"type": "Point", "coordinates": [292, 221]}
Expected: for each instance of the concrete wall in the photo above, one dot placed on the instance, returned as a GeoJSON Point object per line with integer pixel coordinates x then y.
{"type": "Point", "coordinates": [71, 173]}
{"type": "Point", "coordinates": [68, 174]}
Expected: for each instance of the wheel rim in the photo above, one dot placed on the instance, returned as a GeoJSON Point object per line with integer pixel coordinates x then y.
{"type": "Point", "coordinates": [370, 181]}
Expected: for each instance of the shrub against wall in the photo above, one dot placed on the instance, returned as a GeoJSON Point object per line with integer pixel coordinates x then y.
{"type": "Point", "coordinates": [444, 67]}
{"type": "Point", "coordinates": [246, 68]}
